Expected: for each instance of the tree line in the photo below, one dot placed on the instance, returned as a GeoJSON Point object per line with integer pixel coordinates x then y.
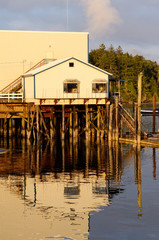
{"type": "Point", "coordinates": [127, 67]}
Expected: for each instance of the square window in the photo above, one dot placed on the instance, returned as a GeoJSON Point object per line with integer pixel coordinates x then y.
{"type": "Point", "coordinates": [71, 88]}
{"type": "Point", "coordinates": [71, 64]}
{"type": "Point", "coordinates": [99, 87]}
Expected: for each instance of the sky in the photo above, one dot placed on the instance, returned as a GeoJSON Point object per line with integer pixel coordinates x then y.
{"type": "Point", "coordinates": [132, 24]}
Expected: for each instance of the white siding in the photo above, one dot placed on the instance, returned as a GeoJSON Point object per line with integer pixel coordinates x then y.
{"type": "Point", "coordinates": [49, 83]}
{"type": "Point", "coordinates": [29, 88]}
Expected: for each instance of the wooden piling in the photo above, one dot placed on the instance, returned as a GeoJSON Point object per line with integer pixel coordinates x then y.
{"type": "Point", "coordinates": [139, 107]}
{"type": "Point", "coordinates": [51, 124]}
{"type": "Point", "coordinates": [135, 120]}
{"type": "Point", "coordinates": [37, 122]}
{"type": "Point", "coordinates": [98, 123]}
{"type": "Point", "coordinates": [10, 127]}
{"type": "Point", "coordinates": [110, 122]}
{"type": "Point", "coordinates": [154, 113]}
{"type": "Point", "coordinates": [70, 128]}
{"type": "Point", "coordinates": [86, 110]}
{"type": "Point", "coordinates": [23, 128]}
{"type": "Point", "coordinates": [5, 127]}
{"type": "Point", "coordinates": [63, 122]}
{"type": "Point", "coordinates": [117, 118]}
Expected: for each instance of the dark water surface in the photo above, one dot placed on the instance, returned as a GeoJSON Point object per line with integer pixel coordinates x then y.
{"type": "Point", "coordinates": [78, 191]}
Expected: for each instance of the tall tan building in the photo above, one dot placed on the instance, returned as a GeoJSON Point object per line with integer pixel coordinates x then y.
{"type": "Point", "coordinates": [21, 50]}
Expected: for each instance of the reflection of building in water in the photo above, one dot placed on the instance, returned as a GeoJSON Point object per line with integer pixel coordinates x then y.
{"type": "Point", "coordinates": [65, 183]}
{"type": "Point", "coordinates": [66, 203]}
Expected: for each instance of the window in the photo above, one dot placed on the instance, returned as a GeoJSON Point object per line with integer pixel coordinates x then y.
{"type": "Point", "coordinates": [99, 87]}
{"type": "Point", "coordinates": [71, 86]}
{"type": "Point", "coordinates": [71, 64]}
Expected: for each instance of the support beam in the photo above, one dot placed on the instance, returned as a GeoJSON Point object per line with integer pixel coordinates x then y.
{"type": "Point", "coordinates": [139, 107]}
{"type": "Point", "coordinates": [154, 113]}
{"type": "Point", "coordinates": [86, 110]}
{"type": "Point", "coordinates": [117, 118]}
{"type": "Point", "coordinates": [63, 122]}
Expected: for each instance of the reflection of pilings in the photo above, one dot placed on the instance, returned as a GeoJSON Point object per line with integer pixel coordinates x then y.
{"type": "Point", "coordinates": [138, 178]}
{"type": "Point", "coordinates": [154, 163]}
{"type": "Point", "coordinates": [117, 161]}
{"type": "Point", "coordinates": [98, 156]}
{"type": "Point", "coordinates": [110, 159]}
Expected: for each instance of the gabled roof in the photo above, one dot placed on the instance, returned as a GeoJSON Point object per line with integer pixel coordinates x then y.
{"type": "Point", "coordinates": [58, 62]}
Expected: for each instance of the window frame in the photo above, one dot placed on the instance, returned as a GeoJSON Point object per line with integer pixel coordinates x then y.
{"type": "Point", "coordinates": [98, 86]}
{"type": "Point", "coordinates": [71, 82]}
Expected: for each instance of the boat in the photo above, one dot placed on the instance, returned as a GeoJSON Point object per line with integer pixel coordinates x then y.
{"type": "Point", "coordinates": [148, 112]}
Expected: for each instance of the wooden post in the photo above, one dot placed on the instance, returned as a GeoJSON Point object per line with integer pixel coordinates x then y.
{"type": "Point", "coordinates": [5, 127]}
{"type": "Point", "coordinates": [70, 129]}
{"type": "Point", "coordinates": [1, 127]}
{"type": "Point", "coordinates": [51, 124]}
{"type": "Point", "coordinates": [74, 122]}
{"type": "Point", "coordinates": [110, 122]}
{"type": "Point", "coordinates": [28, 123]}
{"type": "Point", "coordinates": [135, 120]}
{"type": "Point", "coordinates": [86, 109]}
{"type": "Point", "coordinates": [23, 128]}
{"type": "Point", "coordinates": [63, 122]}
{"type": "Point", "coordinates": [107, 117]}
{"type": "Point", "coordinates": [102, 123]}
{"type": "Point", "coordinates": [117, 118]}
{"type": "Point", "coordinates": [10, 127]}
{"type": "Point", "coordinates": [98, 123]}
{"type": "Point", "coordinates": [37, 122]}
{"type": "Point", "coordinates": [13, 127]}
{"type": "Point", "coordinates": [76, 126]}
{"type": "Point", "coordinates": [139, 107]}
{"type": "Point", "coordinates": [154, 113]}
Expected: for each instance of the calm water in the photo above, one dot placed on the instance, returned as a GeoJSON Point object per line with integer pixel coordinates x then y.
{"type": "Point", "coordinates": [70, 191]}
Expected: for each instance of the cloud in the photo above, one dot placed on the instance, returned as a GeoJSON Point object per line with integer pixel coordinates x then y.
{"type": "Point", "coordinates": [101, 17]}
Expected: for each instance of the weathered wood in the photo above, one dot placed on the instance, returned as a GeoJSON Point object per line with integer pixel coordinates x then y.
{"type": "Point", "coordinates": [154, 113]}
{"type": "Point", "coordinates": [136, 123]}
{"type": "Point", "coordinates": [86, 109]}
{"type": "Point", "coordinates": [139, 107]}
{"type": "Point", "coordinates": [98, 123]}
{"type": "Point", "coordinates": [51, 124]}
{"type": "Point", "coordinates": [10, 127]}
{"type": "Point", "coordinates": [23, 127]}
{"type": "Point", "coordinates": [70, 128]}
{"type": "Point", "coordinates": [63, 122]}
{"type": "Point", "coordinates": [110, 122]}
{"type": "Point", "coordinates": [117, 118]}
{"type": "Point", "coordinates": [44, 125]}
{"type": "Point", "coordinates": [37, 122]}
{"type": "Point", "coordinates": [5, 127]}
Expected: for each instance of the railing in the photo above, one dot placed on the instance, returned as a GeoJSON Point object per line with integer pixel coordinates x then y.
{"type": "Point", "coordinates": [11, 96]}
{"type": "Point", "coordinates": [128, 119]}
